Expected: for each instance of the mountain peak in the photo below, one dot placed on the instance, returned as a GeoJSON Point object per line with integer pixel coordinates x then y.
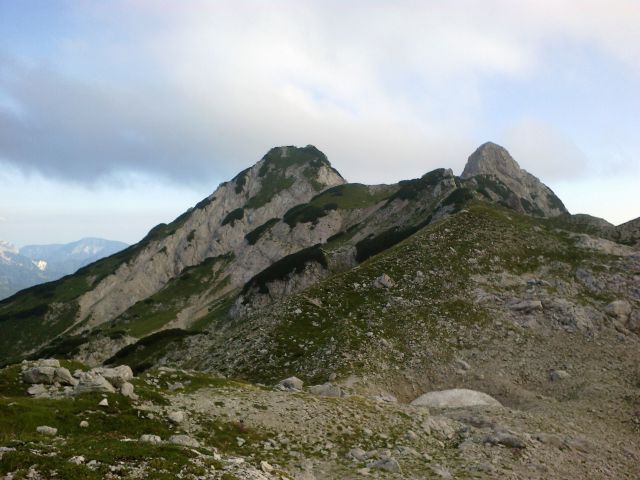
{"type": "Point", "coordinates": [528, 193]}
{"type": "Point", "coordinates": [491, 159]}
{"type": "Point", "coordinates": [285, 156]}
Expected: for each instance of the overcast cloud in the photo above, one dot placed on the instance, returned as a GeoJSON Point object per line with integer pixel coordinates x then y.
{"type": "Point", "coordinates": [193, 91]}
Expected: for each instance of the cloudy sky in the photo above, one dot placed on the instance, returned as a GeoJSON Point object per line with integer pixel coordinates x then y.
{"type": "Point", "coordinates": [115, 116]}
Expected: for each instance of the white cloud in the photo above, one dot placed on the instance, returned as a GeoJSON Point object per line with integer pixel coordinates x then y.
{"type": "Point", "coordinates": [198, 89]}
{"type": "Point", "coordinates": [545, 151]}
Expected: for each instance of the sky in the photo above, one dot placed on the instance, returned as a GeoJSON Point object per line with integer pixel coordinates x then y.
{"type": "Point", "coordinates": [116, 116]}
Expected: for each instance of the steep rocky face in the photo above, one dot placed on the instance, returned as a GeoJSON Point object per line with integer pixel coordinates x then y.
{"type": "Point", "coordinates": [527, 194]}
{"type": "Point", "coordinates": [285, 177]}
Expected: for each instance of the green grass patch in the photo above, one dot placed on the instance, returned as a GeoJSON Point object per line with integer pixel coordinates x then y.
{"type": "Point", "coordinates": [411, 189]}
{"type": "Point", "coordinates": [273, 171]}
{"type": "Point", "coordinates": [352, 196]}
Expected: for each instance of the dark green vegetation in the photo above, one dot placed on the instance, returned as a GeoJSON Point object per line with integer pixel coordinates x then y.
{"type": "Point", "coordinates": [233, 216]}
{"type": "Point", "coordinates": [102, 441]}
{"type": "Point", "coordinates": [411, 189]}
{"type": "Point", "coordinates": [306, 213]}
{"type": "Point", "coordinates": [240, 180]}
{"type": "Point", "coordinates": [143, 354]}
{"type": "Point", "coordinates": [274, 167]}
{"type": "Point", "coordinates": [458, 198]}
{"type": "Point", "coordinates": [352, 195]}
{"type": "Point", "coordinates": [294, 263]}
{"type": "Point", "coordinates": [254, 235]}
{"type": "Point", "coordinates": [486, 183]}
{"type": "Point", "coordinates": [378, 243]}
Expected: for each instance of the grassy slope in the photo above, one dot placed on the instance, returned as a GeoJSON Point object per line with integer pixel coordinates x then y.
{"type": "Point", "coordinates": [106, 440]}
{"type": "Point", "coordinates": [424, 321]}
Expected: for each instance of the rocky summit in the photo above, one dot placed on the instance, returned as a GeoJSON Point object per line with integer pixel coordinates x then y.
{"type": "Point", "coordinates": [293, 325]}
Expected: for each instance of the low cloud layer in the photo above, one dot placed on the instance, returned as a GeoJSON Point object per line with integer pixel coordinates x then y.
{"type": "Point", "coordinates": [197, 90]}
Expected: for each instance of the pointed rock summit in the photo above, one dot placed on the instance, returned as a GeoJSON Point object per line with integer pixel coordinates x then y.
{"type": "Point", "coordinates": [491, 159]}
{"type": "Point", "coordinates": [493, 168]}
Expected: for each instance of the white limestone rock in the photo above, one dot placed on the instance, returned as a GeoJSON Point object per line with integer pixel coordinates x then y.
{"type": "Point", "coordinates": [455, 398]}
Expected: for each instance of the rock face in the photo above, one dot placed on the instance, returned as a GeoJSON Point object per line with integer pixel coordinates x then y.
{"type": "Point", "coordinates": [285, 177]}
{"type": "Point", "coordinates": [528, 195]}
{"type": "Point", "coordinates": [455, 398]}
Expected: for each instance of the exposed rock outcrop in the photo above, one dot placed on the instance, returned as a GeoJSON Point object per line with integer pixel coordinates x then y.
{"type": "Point", "coordinates": [455, 398]}
{"type": "Point", "coordinates": [528, 194]}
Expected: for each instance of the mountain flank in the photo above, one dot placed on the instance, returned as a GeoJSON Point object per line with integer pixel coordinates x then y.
{"type": "Point", "coordinates": [295, 325]}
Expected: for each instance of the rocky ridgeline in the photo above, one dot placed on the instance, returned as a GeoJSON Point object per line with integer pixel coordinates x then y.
{"type": "Point", "coordinates": [47, 379]}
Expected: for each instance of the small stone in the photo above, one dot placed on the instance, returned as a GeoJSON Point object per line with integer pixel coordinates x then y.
{"type": "Point", "coordinates": [455, 398]}
{"type": "Point", "coordinates": [148, 438]}
{"type": "Point", "coordinates": [115, 376]}
{"type": "Point", "coordinates": [266, 467]}
{"type": "Point", "coordinates": [38, 390]}
{"type": "Point", "coordinates": [175, 386]}
{"type": "Point", "coordinates": [45, 430]}
{"type": "Point", "coordinates": [290, 384]}
{"type": "Point", "coordinates": [411, 436]}
{"type": "Point", "coordinates": [384, 281]}
{"type": "Point", "coordinates": [36, 375]}
{"type": "Point", "coordinates": [461, 364]}
{"type": "Point", "coordinates": [78, 460]}
{"type": "Point", "coordinates": [104, 402]}
{"type": "Point", "coordinates": [527, 306]}
{"type": "Point", "coordinates": [126, 389]}
{"type": "Point", "coordinates": [357, 454]}
{"type": "Point", "coordinates": [619, 308]}
{"type": "Point", "coordinates": [184, 440]}
{"type": "Point", "coordinates": [506, 439]}
{"type": "Point", "coordinates": [48, 362]}
{"type": "Point", "coordinates": [84, 424]}
{"type": "Point", "coordinates": [388, 464]}
{"type": "Point", "coordinates": [558, 375]}
{"type": "Point", "coordinates": [326, 390]}
{"type": "Point", "coordinates": [176, 417]}
{"type": "Point", "coordinates": [240, 441]}
{"type": "Point", "coordinates": [90, 382]}
{"type": "Point", "coordinates": [64, 377]}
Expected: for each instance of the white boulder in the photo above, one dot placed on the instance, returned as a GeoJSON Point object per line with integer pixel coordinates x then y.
{"type": "Point", "coordinates": [455, 398]}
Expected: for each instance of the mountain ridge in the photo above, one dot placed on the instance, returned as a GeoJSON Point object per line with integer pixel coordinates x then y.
{"type": "Point", "coordinates": [276, 228]}
{"type": "Point", "coordinates": [293, 325]}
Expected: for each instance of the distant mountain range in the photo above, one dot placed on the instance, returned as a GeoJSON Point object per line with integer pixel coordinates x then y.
{"type": "Point", "coordinates": [35, 264]}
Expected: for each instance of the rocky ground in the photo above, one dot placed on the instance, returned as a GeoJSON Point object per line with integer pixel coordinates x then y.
{"type": "Point", "coordinates": [186, 424]}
